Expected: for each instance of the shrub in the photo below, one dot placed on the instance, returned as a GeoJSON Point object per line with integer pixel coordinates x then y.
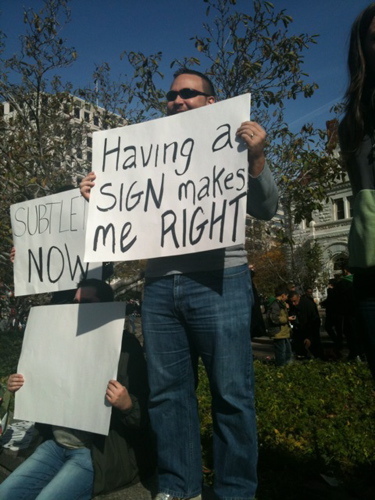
{"type": "Point", "coordinates": [10, 349]}
{"type": "Point", "coordinates": [320, 411]}
{"type": "Point", "coordinates": [313, 417]}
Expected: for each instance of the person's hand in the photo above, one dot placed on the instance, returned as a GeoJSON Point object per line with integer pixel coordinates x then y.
{"type": "Point", "coordinates": [15, 382]}
{"type": "Point", "coordinates": [12, 255]}
{"type": "Point", "coordinates": [255, 137]}
{"type": "Point", "coordinates": [86, 184]}
{"type": "Point", "coordinates": [307, 343]}
{"type": "Point", "coordinates": [117, 395]}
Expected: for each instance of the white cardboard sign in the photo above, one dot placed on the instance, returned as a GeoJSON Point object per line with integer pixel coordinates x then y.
{"type": "Point", "coordinates": [171, 186]}
{"type": "Point", "coordinates": [69, 353]}
{"type": "Point", "coordinates": [49, 237]}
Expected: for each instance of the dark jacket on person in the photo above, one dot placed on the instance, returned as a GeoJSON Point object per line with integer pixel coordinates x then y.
{"type": "Point", "coordinates": [345, 296]}
{"type": "Point", "coordinates": [308, 319]}
{"type": "Point", "coordinates": [127, 454]}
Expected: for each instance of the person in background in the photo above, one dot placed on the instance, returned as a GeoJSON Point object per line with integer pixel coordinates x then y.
{"type": "Point", "coordinates": [278, 326]}
{"type": "Point", "coordinates": [310, 293]}
{"type": "Point", "coordinates": [357, 144]}
{"type": "Point", "coordinates": [306, 328]}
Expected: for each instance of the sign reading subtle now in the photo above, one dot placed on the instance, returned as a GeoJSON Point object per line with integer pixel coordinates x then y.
{"type": "Point", "coordinates": [171, 186]}
{"type": "Point", "coordinates": [49, 238]}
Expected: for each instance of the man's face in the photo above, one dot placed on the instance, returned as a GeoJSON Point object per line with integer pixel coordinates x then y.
{"type": "Point", "coordinates": [284, 297]}
{"type": "Point", "coordinates": [295, 300]}
{"type": "Point", "coordinates": [86, 295]}
{"type": "Point", "coordinates": [186, 81]}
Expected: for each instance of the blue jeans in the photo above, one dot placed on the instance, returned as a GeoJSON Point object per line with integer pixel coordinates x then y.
{"type": "Point", "coordinates": [207, 315]}
{"type": "Point", "coordinates": [51, 472]}
{"type": "Point", "coordinates": [283, 351]}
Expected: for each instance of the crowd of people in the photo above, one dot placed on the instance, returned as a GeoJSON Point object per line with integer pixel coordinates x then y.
{"type": "Point", "coordinates": [197, 306]}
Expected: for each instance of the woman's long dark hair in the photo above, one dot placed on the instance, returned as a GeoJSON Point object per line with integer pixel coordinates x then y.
{"type": "Point", "coordinates": [359, 97]}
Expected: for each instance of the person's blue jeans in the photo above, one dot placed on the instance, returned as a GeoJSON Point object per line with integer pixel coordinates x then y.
{"type": "Point", "coordinates": [205, 314]}
{"type": "Point", "coordinates": [51, 472]}
{"type": "Point", "coordinates": [283, 351]}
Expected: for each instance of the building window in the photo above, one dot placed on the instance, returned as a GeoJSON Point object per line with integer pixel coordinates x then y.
{"type": "Point", "coordinates": [96, 121]}
{"type": "Point", "coordinates": [79, 154]}
{"type": "Point", "coordinates": [89, 142]}
{"type": "Point", "coordinates": [89, 156]}
{"type": "Point", "coordinates": [339, 211]}
{"type": "Point", "coordinates": [77, 113]}
{"type": "Point", "coordinates": [350, 206]}
{"type": "Point", "coordinates": [87, 116]}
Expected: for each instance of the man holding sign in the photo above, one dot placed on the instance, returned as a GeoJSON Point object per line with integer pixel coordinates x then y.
{"type": "Point", "coordinates": [199, 304]}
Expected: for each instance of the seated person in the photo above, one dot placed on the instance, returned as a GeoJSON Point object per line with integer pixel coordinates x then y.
{"type": "Point", "coordinates": [76, 464]}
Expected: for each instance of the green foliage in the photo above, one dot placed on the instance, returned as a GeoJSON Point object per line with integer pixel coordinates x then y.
{"type": "Point", "coordinates": [305, 170]}
{"type": "Point", "coordinates": [270, 265]}
{"type": "Point", "coordinates": [134, 98]}
{"type": "Point", "coordinates": [307, 265]}
{"type": "Point", "coordinates": [248, 48]}
{"type": "Point", "coordinates": [10, 349]}
{"type": "Point", "coordinates": [312, 417]}
{"type": "Point", "coordinates": [320, 411]}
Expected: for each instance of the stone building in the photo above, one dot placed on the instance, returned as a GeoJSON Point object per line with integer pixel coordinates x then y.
{"type": "Point", "coordinates": [330, 227]}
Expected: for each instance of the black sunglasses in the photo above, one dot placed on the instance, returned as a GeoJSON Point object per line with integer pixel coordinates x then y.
{"type": "Point", "coordinates": [184, 94]}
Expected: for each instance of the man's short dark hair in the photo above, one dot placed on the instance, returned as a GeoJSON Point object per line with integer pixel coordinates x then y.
{"type": "Point", "coordinates": [292, 294]}
{"type": "Point", "coordinates": [280, 290]}
{"type": "Point", "coordinates": [188, 71]}
{"type": "Point", "coordinates": [104, 291]}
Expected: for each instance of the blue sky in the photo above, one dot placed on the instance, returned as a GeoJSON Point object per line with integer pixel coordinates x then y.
{"type": "Point", "coordinates": [101, 29]}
